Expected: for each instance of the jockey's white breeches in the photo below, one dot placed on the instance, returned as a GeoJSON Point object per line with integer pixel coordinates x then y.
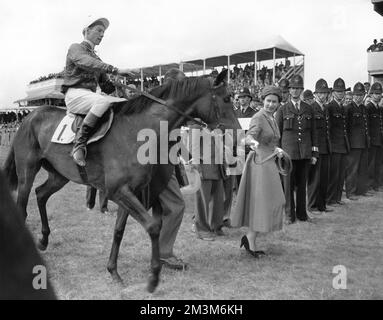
{"type": "Point", "coordinates": [81, 101]}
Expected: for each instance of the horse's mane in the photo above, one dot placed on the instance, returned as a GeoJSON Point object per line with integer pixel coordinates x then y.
{"type": "Point", "coordinates": [185, 89]}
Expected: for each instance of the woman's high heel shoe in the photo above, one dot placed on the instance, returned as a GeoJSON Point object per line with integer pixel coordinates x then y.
{"type": "Point", "coordinates": [245, 243]}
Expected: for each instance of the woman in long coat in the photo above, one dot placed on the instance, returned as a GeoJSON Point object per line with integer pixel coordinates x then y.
{"type": "Point", "coordinates": [260, 200]}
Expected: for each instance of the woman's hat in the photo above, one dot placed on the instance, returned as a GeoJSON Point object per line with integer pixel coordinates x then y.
{"type": "Point", "coordinates": [268, 90]}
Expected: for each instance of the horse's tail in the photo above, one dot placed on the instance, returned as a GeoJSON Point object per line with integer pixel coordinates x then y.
{"type": "Point", "coordinates": [10, 169]}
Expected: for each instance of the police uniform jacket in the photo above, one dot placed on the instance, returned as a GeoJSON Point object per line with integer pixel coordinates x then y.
{"type": "Point", "coordinates": [299, 135]}
{"type": "Point", "coordinates": [338, 128]}
{"type": "Point", "coordinates": [322, 125]}
{"type": "Point", "coordinates": [375, 124]}
{"type": "Point", "coordinates": [357, 123]}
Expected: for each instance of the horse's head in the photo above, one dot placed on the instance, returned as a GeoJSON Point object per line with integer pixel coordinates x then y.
{"type": "Point", "coordinates": [215, 107]}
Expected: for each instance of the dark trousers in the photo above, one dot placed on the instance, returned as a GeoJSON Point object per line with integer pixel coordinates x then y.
{"type": "Point", "coordinates": [91, 199]}
{"type": "Point", "coordinates": [209, 206]}
{"type": "Point", "coordinates": [375, 155]}
{"type": "Point", "coordinates": [171, 209]}
{"type": "Point", "coordinates": [296, 183]}
{"type": "Point", "coordinates": [337, 172]}
{"type": "Point", "coordinates": [228, 185]}
{"type": "Point", "coordinates": [357, 172]}
{"type": "Point", "coordinates": [317, 183]}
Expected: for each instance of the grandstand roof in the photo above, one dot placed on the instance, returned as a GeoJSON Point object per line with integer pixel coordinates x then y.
{"type": "Point", "coordinates": [42, 94]}
{"type": "Point", "coordinates": [378, 6]}
{"type": "Point", "coordinates": [245, 53]}
{"type": "Point", "coordinates": [238, 52]}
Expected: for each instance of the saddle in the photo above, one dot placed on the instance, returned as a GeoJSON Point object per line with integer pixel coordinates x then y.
{"type": "Point", "coordinates": [68, 127]}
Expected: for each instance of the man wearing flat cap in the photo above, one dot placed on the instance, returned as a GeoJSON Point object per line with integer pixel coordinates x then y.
{"type": "Point", "coordinates": [318, 173]}
{"type": "Point", "coordinates": [375, 154]}
{"type": "Point", "coordinates": [359, 137]}
{"type": "Point", "coordinates": [339, 143]}
{"type": "Point", "coordinates": [245, 110]}
{"type": "Point", "coordinates": [299, 139]}
{"type": "Point", "coordinates": [84, 74]}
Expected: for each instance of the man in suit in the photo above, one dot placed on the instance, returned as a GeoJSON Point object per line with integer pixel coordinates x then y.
{"type": "Point", "coordinates": [299, 139]}
{"type": "Point", "coordinates": [209, 202]}
{"type": "Point", "coordinates": [172, 205]}
{"type": "Point", "coordinates": [339, 143]}
{"type": "Point", "coordinates": [245, 110]}
{"type": "Point", "coordinates": [375, 153]}
{"type": "Point", "coordinates": [318, 173]}
{"type": "Point", "coordinates": [357, 159]}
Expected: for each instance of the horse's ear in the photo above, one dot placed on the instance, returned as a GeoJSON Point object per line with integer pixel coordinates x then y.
{"type": "Point", "coordinates": [221, 77]}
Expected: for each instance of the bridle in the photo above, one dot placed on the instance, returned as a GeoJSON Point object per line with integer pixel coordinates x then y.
{"type": "Point", "coordinates": [214, 113]}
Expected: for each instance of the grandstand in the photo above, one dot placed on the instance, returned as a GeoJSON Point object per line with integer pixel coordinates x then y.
{"type": "Point", "coordinates": [270, 53]}
{"type": "Point", "coordinates": [251, 65]}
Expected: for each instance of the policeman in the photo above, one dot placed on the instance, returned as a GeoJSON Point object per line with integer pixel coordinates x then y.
{"type": "Point", "coordinates": [375, 154]}
{"type": "Point", "coordinates": [357, 159]}
{"type": "Point", "coordinates": [299, 139]}
{"type": "Point", "coordinates": [245, 110]}
{"type": "Point", "coordinates": [318, 173]}
{"type": "Point", "coordinates": [339, 143]}
{"type": "Point", "coordinates": [284, 85]}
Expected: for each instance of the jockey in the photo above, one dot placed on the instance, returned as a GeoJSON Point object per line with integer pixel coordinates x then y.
{"type": "Point", "coordinates": [84, 73]}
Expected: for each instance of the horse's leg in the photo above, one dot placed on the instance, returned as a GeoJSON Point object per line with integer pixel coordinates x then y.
{"type": "Point", "coordinates": [53, 184]}
{"type": "Point", "coordinates": [125, 198]}
{"type": "Point", "coordinates": [26, 173]}
{"type": "Point", "coordinates": [122, 216]}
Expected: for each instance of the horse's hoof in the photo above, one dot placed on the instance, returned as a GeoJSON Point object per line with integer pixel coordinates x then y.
{"type": "Point", "coordinates": [41, 246]}
{"type": "Point", "coordinates": [152, 284]}
{"type": "Point", "coordinates": [116, 278]}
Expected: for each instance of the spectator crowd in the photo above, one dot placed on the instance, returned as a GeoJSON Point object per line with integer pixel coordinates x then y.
{"type": "Point", "coordinates": [376, 46]}
{"type": "Point", "coordinates": [9, 123]}
{"type": "Point", "coordinates": [58, 75]}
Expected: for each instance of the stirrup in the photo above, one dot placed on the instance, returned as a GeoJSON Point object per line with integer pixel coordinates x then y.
{"type": "Point", "coordinates": [80, 160]}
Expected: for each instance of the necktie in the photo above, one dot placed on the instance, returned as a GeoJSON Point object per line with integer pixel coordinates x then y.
{"type": "Point", "coordinates": [297, 106]}
{"type": "Point", "coordinates": [243, 110]}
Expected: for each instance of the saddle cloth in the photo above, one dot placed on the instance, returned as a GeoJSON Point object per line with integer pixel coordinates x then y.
{"type": "Point", "coordinates": [65, 132]}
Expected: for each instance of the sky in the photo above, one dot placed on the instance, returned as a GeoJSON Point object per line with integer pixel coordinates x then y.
{"type": "Point", "coordinates": [35, 35]}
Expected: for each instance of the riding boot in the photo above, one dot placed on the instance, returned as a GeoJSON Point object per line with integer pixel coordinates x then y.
{"type": "Point", "coordinates": [86, 130]}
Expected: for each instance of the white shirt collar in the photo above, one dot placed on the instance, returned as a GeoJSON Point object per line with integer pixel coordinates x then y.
{"type": "Point", "coordinates": [296, 103]}
{"type": "Point", "coordinates": [90, 43]}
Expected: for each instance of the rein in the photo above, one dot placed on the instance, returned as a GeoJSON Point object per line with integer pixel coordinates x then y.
{"type": "Point", "coordinates": [163, 102]}
{"type": "Point", "coordinates": [281, 168]}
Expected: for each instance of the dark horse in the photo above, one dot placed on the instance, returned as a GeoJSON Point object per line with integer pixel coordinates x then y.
{"type": "Point", "coordinates": [112, 163]}
{"type": "Point", "coordinates": [18, 254]}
